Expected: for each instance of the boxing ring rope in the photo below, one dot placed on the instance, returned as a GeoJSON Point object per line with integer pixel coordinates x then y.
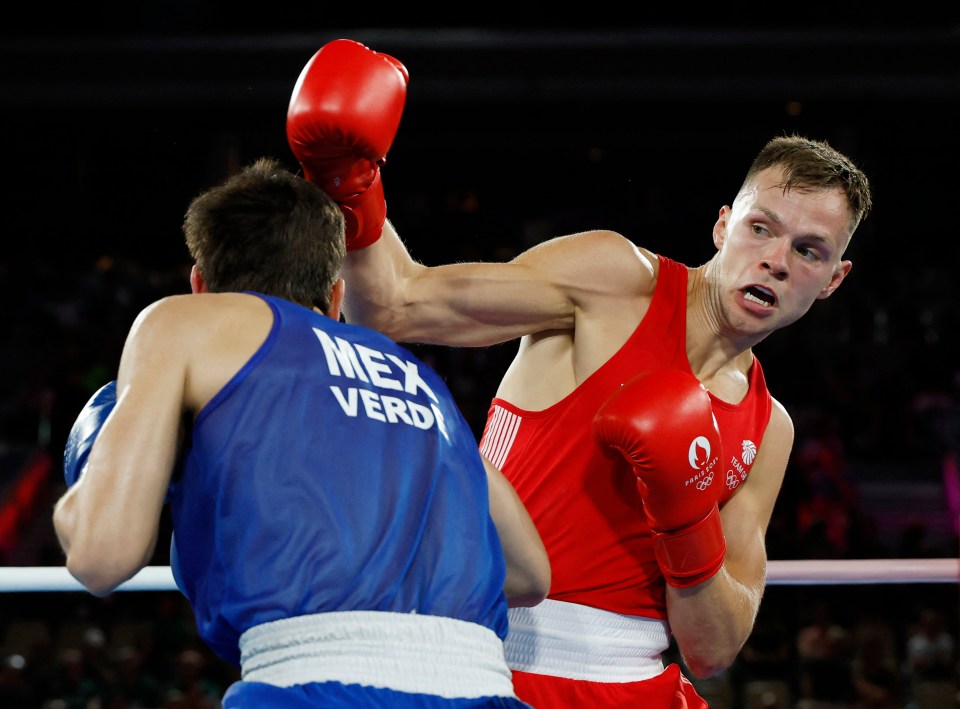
{"type": "Point", "coordinates": [21, 579]}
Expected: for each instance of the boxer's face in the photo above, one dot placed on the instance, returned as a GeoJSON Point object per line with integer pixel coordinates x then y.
{"type": "Point", "coordinates": [779, 252]}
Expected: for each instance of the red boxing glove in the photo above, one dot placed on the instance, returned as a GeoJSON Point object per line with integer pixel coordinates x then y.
{"type": "Point", "coordinates": [662, 422]}
{"type": "Point", "coordinates": [343, 116]}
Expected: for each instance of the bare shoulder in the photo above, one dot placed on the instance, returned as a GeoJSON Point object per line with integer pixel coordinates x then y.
{"type": "Point", "coordinates": [780, 427]}
{"type": "Point", "coordinates": [775, 448]}
{"type": "Point", "coordinates": [753, 503]}
{"type": "Point", "coordinates": [594, 262]}
{"type": "Point", "coordinates": [206, 336]}
{"type": "Point", "coordinates": [599, 244]}
{"type": "Point", "coordinates": [177, 320]}
{"type": "Point", "coordinates": [158, 325]}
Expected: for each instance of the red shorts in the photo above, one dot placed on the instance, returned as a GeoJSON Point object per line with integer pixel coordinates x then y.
{"type": "Point", "coordinates": [668, 690]}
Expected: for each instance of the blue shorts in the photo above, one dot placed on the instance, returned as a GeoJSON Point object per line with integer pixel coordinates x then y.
{"type": "Point", "coordinates": [334, 695]}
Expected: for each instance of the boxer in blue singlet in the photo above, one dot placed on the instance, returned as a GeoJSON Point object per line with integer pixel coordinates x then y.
{"type": "Point", "coordinates": [336, 531]}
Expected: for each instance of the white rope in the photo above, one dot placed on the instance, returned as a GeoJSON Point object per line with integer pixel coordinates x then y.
{"type": "Point", "coordinates": [862, 571]}
{"type": "Point", "coordinates": [21, 579]}
{"type": "Point", "coordinates": [57, 578]}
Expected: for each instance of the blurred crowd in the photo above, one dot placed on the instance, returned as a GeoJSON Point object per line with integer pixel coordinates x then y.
{"type": "Point", "coordinates": [870, 377]}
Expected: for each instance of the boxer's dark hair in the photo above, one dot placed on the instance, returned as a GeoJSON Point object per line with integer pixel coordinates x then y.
{"type": "Point", "coordinates": [267, 230]}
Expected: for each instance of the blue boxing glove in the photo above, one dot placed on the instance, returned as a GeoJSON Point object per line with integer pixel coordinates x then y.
{"type": "Point", "coordinates": [85, 431]}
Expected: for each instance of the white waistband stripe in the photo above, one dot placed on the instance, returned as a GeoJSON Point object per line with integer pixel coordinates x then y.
{"type": "Point", "coordinates": [420, 654]}
{"type": "Point", "coordinates": [579, 642]}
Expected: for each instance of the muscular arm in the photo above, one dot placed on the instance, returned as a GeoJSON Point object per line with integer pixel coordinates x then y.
{"type": "Point", "coordinates": [108, 522]}
{"type": "Point", "coordinates": [528, 568]}
{"type": "Point", "coordinates": [180, 351]}
{"type": "Point", "coordinates": [713, 620]}
{"type": "Point", "coordinates": [479, 304]}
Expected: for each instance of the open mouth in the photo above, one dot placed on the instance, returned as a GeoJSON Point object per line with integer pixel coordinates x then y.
{"type": "Point", "coordinates": [762, 296]}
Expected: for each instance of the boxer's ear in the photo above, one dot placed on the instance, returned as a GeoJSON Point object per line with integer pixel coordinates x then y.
{"type": "Point", "coordinates": [336, 299]}
{"type": "Point", "coordinates": [197, 284]}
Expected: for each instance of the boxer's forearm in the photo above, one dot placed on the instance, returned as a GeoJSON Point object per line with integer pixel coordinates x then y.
{"type": "Point", "coordinates": [712, 621]}
{"type": "Point", "coordinates": [376, 280]}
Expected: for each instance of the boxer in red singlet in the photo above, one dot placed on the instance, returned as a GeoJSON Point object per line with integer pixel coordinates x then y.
{"type": "Point", "coordinates": [634, 421]}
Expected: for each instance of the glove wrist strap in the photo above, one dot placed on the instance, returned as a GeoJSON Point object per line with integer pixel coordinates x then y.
{"type": "Point", "coordinates": [364, 215]}
{"type": "Point", "coordinates": [694, 554]}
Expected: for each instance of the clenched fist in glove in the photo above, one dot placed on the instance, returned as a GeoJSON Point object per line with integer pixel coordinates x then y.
{"type": "Point", "coordinates": [662, 422]}
{"type": "Point", "coordinates": [85, 430]}
{"type": "Point", "coordinates": [342, 119]}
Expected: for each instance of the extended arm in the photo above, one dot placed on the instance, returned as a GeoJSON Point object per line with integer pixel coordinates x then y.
{"type": "Point", "coordinates": [343, 116]}
{"type": "Point", "coordinates": [713, 620]}
{"type": "Point", "coordinates": [528, 568]}
{"type": "Point", "coordinates": [476, 304]}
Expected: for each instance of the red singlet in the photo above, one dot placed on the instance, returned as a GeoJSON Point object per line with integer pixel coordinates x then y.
{"type": "Point", "coordinates": [586, 505]}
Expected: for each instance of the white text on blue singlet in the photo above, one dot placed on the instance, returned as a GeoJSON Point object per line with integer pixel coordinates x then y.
{"type": "Point", "coordinates": [373, 367]}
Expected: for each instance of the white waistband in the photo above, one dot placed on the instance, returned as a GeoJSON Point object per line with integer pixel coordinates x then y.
{"type": "Point", "coordinates": [579, 642]}
{"type": "Point", "coordinates": [405, 652]}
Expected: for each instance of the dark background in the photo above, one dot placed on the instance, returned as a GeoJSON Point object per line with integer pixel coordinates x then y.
{"type": "Point", "coordinates": [114, 118]}
{"type": "Point", "coordinates": [114, 115]}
